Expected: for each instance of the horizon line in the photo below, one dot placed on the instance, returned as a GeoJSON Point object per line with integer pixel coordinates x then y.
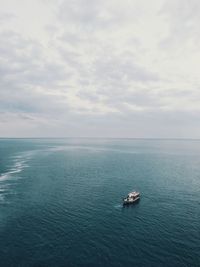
{"type": "Point", "coordinates": [93, 137]}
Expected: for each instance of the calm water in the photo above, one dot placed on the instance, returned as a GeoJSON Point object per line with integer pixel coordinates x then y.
{"type": "Point", "coordinates": [60, 202]}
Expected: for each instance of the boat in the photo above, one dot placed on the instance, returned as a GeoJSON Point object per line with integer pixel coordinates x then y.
{"type": "Point", "coordinates": [131, 198]}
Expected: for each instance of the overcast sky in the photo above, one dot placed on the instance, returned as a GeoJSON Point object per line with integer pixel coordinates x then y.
{"type": "Point", "coordinates": [101, 68]}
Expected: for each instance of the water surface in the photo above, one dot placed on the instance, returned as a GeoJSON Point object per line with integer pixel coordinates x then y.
{"type": "Point", "coordinates": [61, 202]}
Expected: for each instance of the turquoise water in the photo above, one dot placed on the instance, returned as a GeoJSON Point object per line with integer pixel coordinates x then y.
{"type": "Point", "coordinates": [61, 202]}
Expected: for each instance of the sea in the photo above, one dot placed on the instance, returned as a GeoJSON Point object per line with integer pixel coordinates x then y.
{"type": "Point", "coordinates": [61, 202]}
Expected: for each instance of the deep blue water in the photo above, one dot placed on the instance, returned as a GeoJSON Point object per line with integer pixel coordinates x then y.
{"type": "Point", "coordinates": [61, 202]}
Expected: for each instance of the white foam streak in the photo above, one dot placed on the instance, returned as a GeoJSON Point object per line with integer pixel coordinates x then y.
{"type": "Point", "coordinates": [20, 162]}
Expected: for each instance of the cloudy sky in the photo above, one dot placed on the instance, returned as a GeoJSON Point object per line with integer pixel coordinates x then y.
{"type": "Point", "coordinates": [101, 68]}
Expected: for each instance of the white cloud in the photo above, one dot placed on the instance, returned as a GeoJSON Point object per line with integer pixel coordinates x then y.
{"type": "Point", "coordinates": [96, 66]}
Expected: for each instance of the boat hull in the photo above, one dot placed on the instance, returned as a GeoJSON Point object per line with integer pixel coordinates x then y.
{"type": "Point", "coordinates": [132, 201]}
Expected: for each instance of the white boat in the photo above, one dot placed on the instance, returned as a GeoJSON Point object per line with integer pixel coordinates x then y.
{"type": "Point", "coordinates": [132, 197]}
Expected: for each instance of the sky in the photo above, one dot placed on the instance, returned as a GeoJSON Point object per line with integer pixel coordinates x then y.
{"type": "Point", "coordinates": [100, 68]}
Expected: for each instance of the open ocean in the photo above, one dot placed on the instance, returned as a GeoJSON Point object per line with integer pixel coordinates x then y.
{"type": "Point", "coordinates": [61, 203]}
